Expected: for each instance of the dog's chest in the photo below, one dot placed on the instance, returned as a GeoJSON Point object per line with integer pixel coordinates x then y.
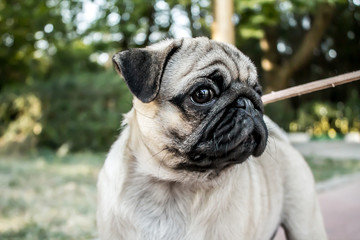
{"type": "Point", "coordinates": [170, 213]}
{"type": "Point", "coordinates": [177, 218]}
{"type": "Point", "coordinates": [166, 211]}
{"type": "Point", "coordinates": [159, 213]}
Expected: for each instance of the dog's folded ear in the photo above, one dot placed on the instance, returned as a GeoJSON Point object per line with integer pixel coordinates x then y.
{"type": "Point", "coordinates": [143, 68]}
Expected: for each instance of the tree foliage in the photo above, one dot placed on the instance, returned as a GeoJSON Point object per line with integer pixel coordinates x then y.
{"type": "Point", "coordinates": [31, 32]}
{"type": "Point", "coordinates": [138, 23]}
{"type": "Point", "coordinates": [40, 38]}
{"type": "Point", "coordinates": [290, 41]}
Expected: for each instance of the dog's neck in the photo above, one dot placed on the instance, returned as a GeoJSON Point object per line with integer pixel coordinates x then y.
{"type": "Point", "coordinates": [150, 161]}
{"type": "Point", "coordinates": [142, 170]}
{"type": "Point", "coordinates": [165, 208]}
{"type": "Point", "coordinates": [150, 202]}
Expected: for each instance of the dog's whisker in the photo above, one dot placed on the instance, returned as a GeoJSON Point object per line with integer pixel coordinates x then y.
{"type": "Point", "coordinates": [155, 154]}
{"type": "Point", "coordinates": [161, 164]}
{"type": "Point", "coordinates": [275, 150]}
{"type": "Point", "coordinates": [144, 115]}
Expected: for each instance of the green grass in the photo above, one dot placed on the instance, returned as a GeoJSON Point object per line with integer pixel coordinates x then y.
{"type": "Point", "coordinates": [44, 196]}
{"type": "Point", "coordinates": [324, 168]}
{"type": "Point", "coordinates": [47, 197]}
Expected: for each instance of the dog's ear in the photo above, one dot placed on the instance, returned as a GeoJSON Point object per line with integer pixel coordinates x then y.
{"type": "Point", "coordinates": [143, 68]}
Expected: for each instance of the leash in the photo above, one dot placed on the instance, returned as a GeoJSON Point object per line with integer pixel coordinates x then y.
{"type": "Point", "coordinates": [311, 87]}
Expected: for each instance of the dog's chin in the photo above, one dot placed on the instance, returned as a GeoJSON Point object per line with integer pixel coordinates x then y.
{"type": "Point", "coordinates": [231, 141]}
{"type": "Point", "coordinates": [204, 163]}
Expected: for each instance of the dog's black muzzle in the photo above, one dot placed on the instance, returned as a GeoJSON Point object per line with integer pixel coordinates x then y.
{"type": "Point", "coordinates": [237, 134]}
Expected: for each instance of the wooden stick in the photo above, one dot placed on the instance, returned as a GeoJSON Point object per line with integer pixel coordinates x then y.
{"type": "Point", "coordinates": [310, 87]}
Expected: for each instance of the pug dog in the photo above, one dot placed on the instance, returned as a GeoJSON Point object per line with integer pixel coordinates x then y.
{"type": "Point", "coordinates": [197, 159]}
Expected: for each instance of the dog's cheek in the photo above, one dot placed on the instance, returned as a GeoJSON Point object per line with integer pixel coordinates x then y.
{"type": "Point", "coordinates": [171, 118]}
{"type": "Point", "coordinates": [148, 110]}
{"type": "Point", "coordinates": [148, 123]}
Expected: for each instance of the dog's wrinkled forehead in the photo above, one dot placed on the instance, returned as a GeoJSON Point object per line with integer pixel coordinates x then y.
{"type": "Point", "coordinates": [200, 57]}
{"type": "Point", "coordinates": [174, 64]}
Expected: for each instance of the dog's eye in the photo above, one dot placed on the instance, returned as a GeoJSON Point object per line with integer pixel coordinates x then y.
{"type": "Point", "coordinates": [203, 95]}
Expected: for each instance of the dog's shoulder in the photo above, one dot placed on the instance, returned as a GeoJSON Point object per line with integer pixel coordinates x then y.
{"type": "Point", "coordinates": [297, 176]}
{"type": "Point", "coordinates": [294, 167]}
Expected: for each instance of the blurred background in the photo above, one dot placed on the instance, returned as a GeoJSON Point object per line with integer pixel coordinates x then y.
{"type": "Point", "coordinates": [61, 102]}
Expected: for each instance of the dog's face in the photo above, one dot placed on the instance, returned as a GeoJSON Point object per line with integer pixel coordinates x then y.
{"type": "Point", "coordinates": [197, 103]}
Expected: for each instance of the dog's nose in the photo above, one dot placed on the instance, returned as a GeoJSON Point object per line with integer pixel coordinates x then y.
{"type": "Point", "coordinates": [245, 104]}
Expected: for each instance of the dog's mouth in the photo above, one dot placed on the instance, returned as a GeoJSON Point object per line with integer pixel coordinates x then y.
{"type": "Point", "coordinates": [236, 134]}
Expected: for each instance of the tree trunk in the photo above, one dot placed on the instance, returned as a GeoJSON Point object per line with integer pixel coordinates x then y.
{"type": "Point", "coordinates": [223, 27]}
{"type": "Point", "coordinates": [277, 72]}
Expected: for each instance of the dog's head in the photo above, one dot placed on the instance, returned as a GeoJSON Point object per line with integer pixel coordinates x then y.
{"type": "Point", "coordinates": [197, 103]}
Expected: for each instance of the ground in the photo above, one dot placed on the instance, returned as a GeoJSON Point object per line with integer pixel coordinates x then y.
{"type": "Point", "coordinates": [339, 203]}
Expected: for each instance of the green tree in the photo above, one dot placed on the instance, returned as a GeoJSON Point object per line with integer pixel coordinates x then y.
{"type": "Point", "coordinates": [284, 37]}
{"type": "Point", "coordinates": [30, 33]}
{"type": "Point", "coordinates": [137, 23]}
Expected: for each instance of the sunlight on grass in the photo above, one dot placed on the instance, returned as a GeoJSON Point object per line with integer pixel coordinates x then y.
{"type": "Point", "coordinates": [47, 197]}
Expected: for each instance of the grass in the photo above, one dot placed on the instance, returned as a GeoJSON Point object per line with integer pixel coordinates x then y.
{"type": "Point", "coordinates": [47, 197]}
{"type": "Point", "coordinates": [44, 196]}
{"type": "Point", "coordinates": [325, 168]}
